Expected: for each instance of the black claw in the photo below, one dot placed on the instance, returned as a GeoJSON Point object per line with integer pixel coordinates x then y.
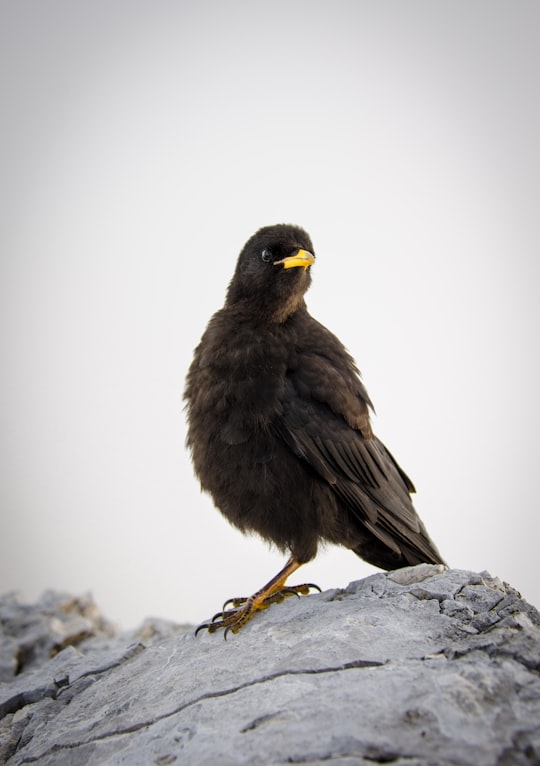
{"type": "Point", "coordinates": [312, 585]}
{"type": "Point", "coordinates": [234, 601]}
{"type": "Point", "coordinates": [202, 627]}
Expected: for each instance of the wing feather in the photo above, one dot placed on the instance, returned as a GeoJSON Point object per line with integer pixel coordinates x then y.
{"type": "Point", "coordinates": [361, 471]}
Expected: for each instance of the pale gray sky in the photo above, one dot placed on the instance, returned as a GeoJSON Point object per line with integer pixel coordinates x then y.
{"type": "Point", "coordinates": [142, 144]}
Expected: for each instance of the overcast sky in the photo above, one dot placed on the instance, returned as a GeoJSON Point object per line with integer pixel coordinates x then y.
{"type": "Point", "coordinates": [142, 144]}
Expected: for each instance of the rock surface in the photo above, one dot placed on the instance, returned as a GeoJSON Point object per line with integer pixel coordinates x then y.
{"type": "Point", "coordinates": [421, 666]}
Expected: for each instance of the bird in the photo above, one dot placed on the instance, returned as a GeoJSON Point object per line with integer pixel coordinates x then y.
{"type": "Point", "coordinates": [279, 429]}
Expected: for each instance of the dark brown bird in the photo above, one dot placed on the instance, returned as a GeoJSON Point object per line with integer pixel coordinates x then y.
{"type": "Point", "coordinates": [279, 428]}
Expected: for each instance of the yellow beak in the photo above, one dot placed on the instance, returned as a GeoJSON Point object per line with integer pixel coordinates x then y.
{"type": "Point", "coordinates": [300, 258]}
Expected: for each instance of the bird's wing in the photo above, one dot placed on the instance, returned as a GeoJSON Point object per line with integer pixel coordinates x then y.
{"type": "Point", "coordinates": [325, 421]}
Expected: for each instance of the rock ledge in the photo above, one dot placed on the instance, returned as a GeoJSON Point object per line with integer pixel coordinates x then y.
{"type": "Point", "coordinates": [421, 666]}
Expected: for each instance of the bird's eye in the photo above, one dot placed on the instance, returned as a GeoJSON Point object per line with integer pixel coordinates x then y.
{"type": "Point", "coordinates": [266, 255]}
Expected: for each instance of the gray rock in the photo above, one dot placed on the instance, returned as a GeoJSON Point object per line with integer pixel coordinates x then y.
{"type": "Point", "coordinates": [32, 633]}
{"type": "Point", "coordinates": [419, 666]}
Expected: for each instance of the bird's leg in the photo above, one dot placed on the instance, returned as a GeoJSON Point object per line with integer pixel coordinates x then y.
{"type": "Point", "coordinates": [274, 592]}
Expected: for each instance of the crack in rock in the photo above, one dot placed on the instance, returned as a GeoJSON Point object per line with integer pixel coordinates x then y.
{"type": "Point", "coordinates": [354, 665]}
{"type": "Point", "coordinates": [61, 683]}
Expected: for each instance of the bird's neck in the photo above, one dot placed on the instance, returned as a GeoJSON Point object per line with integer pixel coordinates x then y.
{"type": "Point", "coordinates": [258, 313]}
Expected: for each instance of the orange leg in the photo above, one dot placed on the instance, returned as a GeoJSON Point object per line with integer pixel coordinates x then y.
{"type": "Point", "coordinates": [274, 592]}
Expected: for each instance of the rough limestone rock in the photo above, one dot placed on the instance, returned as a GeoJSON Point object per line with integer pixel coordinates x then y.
{"type": "Point", "coordinates": [413, 667]}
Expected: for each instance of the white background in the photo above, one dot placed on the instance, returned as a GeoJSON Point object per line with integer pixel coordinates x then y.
{"type": "Point", "coordinates": [142, 144]}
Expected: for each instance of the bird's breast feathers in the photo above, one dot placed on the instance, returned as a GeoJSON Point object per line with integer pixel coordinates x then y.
{"type": "Point", "coordinates": [249, 377]}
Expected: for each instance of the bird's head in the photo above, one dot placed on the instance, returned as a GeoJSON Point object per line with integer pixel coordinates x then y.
{"type": "Point", "coordinates": [273, 272]}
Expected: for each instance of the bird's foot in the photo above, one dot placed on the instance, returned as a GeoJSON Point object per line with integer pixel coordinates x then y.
{"type": "Point", "coordinates": [274, 598]}
{"type": "Point", "coordinates": [274, 592]}
{"type": "Point", "coordinates": [244, 608]}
